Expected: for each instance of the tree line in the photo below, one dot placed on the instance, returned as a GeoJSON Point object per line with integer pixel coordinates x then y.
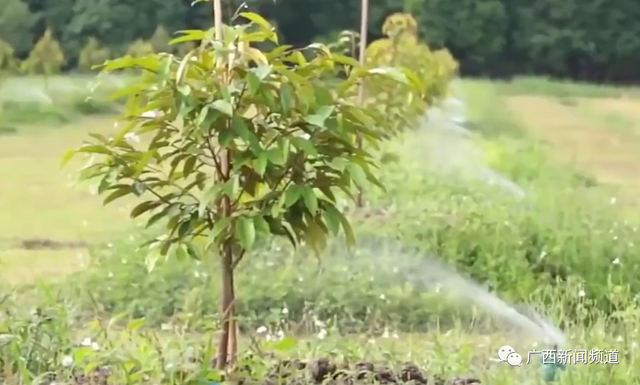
{"type": "Point", "coordinates": [579, 39]}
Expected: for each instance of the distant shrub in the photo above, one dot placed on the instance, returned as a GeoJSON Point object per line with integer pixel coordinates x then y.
{"type": "Point", "coordinates": [8, 62]}
{"type": "Point", "coordinates": [92, 54]}
{"type": "Point", "coordinates": [34, 112]}
{"type": "Point", "coordinates": [140, 48]}
{"type": "Point", "coordinates": [160, 40]}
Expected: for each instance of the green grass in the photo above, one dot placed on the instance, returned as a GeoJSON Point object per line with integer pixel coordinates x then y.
{"type": "Point", "coordinates": [564, 89]}
{"type": "Point", "coordinates": [566, 249]}
{"type": "Point", "coordinates": [56, 100]}
{"type": "Point", "coordinates": [39, 200]}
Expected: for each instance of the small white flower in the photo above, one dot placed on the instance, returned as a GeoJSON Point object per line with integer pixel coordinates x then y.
{"type": "Point", "coordinates": [581, 293]}
{"type": "Point", "coordinates": [131, 138]}
{"type": "Point", "coordinates": [67, 361]}
{"type": "Point", "coordinates": [261, 329]}
{"type": "Point", "coordinates": [285, 311]}
{"type": "Point", "coordinates": [322, 334]}
{"type": "Point", "coordinates": [280, 334]}
{"type": "Point", "coordinates": [382, 297]}
{"type": "Point", "coordinates": [385, 334]}
{"type": "Point", "coordinates": [95, 346]}
{"type": "Point", "coordinates": [86, 342]}
{"type": "Point", "coordinates": [395, 335]}
{"type": "Point", "coordinates": [149, 114]}
{"type": "Point", "coordinates": [616, 261]}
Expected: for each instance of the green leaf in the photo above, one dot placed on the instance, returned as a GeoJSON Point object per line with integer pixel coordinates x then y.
{"type": "Point", "coordinates": [67, 157]}
{"type": "Point", "coordinates": [305, 145]}
{"type": "Point", "coordinates": [357, 174]}
{"type": "Point", "coordinates": [310, 199]}
{"type": "Point", "coordinates": [262, 71]}
{"type": "Point", "coordinates": [254, 17]}
{"type": "Point", "coordinates": [119, 193]}
{"type": "Point", "coordinates": [262, 226]}
{"type": "Point", "coordinates": [315, 237]}
{"type": "Point", "coordinates": [332, 219]}
{"type": "Point", "coordinates": [284, 345]}
{"type": "Point", "coordinates": [221, 225]}
{"type": "Point", "coordinates": [245, 232]}
{"type": "Point", "coordinates": [390, 72]}
{"type": "Point", "coordinates": [240, 127]}
{"type": "Point", "coordinates": [152, 258]}
{"type": "Point", "coordinates": [346, 226]}
{"type": "Point", "coordinates": [287, 98]}
{"type": "Point", "coordinates": [291, 195]}
{"type": "Point", "coordinates": [189, 165]}
{"type": "Point", "coordinates": [144, 207]}
{"type": "Point", "coordinates": [143, 162]}
{"type": "Point", "coordinates": [135, 324]}
{"type": "Point", "coordinates": [319, 118]}
{"type": "Point", "coordinates": [223, 106]}
{"type": "Point", "coordinates": [260, 164]}
{"type": "Point", "coordinates": [94, 149]}
{"type": "Point", "coordinates": [188, 35]}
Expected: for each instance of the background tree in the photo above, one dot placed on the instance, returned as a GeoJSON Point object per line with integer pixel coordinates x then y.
{"type": "Point", "coordinates": [8, 62]}
{"type": "Point", "coordinates": [92, 54]}
{"type": "Point", "coordinates": [46, 57]}
{"type": "Point", "coordinates": [16, 25]}
{"type": "Point", "coordinates": [140, 48]}
{"type": "Point", "coordinates": [160, 40]}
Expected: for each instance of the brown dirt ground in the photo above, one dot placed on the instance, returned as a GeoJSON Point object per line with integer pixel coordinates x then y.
{"type": "Point", "coordinates": [613, 157]}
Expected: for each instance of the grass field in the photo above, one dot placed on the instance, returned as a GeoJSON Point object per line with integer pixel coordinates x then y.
{"type": "Point", "coordinates": [537, 132]}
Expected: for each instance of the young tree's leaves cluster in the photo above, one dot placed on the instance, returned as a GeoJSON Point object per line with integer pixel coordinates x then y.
{"type": "Point", "coordinates": [289, 139]}
{"type": "Point", "coordinates": [427, 73]}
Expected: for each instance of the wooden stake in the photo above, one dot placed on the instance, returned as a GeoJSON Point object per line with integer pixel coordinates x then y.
{"type": "Point", "coordinates": [364, 23]}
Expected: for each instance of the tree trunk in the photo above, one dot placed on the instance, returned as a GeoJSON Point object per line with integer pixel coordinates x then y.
{"type": "Point", "coordinates": [226, 308]}
{"type": "Point", "coordinates": [227, 347]}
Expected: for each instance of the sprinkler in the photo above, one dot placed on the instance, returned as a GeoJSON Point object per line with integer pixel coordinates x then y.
{"type": "Point", "coordinates": [550, 371]}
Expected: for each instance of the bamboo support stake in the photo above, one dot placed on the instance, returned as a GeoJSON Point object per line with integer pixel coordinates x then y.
{"type": "Point", "coordinates": [364, 22]}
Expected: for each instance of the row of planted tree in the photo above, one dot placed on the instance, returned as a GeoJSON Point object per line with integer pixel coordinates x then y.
{"type": "Point", "coordinates": [48, 57]}
{"type": "Point", "coordinates": [253, 143]}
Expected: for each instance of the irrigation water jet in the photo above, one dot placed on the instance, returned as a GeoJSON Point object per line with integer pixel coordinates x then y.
{"type": "Point", "coordinates": [388, 259]}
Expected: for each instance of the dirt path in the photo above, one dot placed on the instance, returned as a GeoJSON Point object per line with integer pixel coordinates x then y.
{"type": "Point", "coordinates": [612, 156]}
